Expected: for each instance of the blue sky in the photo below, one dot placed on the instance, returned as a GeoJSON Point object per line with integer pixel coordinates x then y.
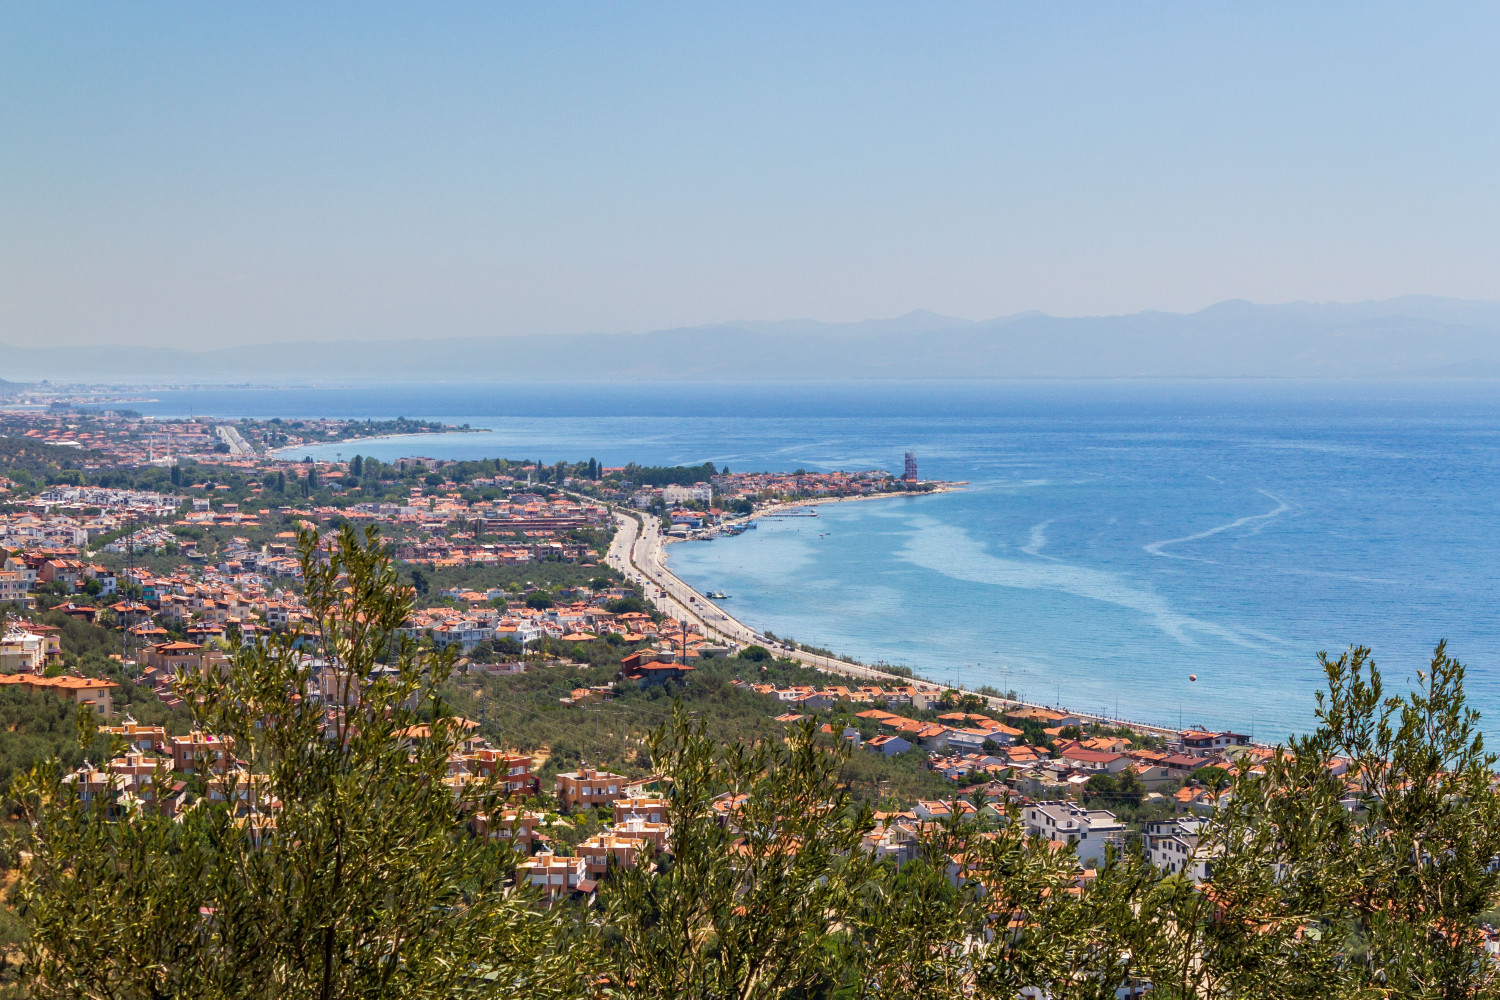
{"type": "Point", "coordinates": [194, 174]}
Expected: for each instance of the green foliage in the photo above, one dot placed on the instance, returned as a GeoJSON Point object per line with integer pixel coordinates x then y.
{"type": "Point", "coordinates": [1111, 791]}
{"type": "Point", "coordinates": [1389, 864]}
{"type": "Point", "coordinates": [668, 475]}
{"type": "Point", "coordinates": [743, 907]}
{"type": "Point", "coordinates": [36, 726]}
{"type": "Point", "coordinates": [28, 461]}
{"type": "Point", "coordinates": [367, 883]}
{"type": "Point", "coordinates": [551, 575]}
{"type": "Point", "coordinates": [1212, 776]}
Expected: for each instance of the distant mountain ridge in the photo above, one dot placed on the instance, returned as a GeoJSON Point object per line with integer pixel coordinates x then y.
{"type": "Point", "coordinates": [1414, 336]}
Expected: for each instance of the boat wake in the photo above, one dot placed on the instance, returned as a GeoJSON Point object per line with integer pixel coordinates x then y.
{"type": "Point", "coordinates": [1259, 520]}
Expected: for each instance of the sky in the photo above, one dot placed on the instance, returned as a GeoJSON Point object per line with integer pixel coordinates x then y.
{"type": "Point", "coordinates": [196, 175]}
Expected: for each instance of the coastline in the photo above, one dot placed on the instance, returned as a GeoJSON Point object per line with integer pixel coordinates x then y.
{"type": "Point", "coordinates": [276, 453]}
{"type": "Point", "coordinates": [683, 601]}
{"type": "Point", "coordinates": [945, 487]}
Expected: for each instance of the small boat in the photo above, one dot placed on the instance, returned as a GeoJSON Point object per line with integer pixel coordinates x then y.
{"type": "Point", "coordinates": [716, 595]}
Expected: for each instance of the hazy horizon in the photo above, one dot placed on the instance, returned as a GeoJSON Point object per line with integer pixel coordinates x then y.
{"type": "Point", "coordinates": [1410, 337]}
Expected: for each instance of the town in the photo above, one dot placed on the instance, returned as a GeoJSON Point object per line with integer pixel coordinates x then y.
{"type": "Point", "coordinates": [505, 563]}
{"type": "Point", "coordinates": [132, 578]}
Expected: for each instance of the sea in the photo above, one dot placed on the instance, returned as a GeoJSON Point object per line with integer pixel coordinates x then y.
{"type": "Point", "coordinates": [1173, 552]}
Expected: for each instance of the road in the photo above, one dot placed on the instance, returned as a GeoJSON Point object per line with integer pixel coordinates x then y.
{"type": "Point", "coordinates": [231, 436]}
{"type": "Point", "coordinates": [640, 554]}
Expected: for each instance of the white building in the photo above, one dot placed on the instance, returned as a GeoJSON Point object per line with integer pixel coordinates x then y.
{"type": "Point", "coordinates": [1089, 830]}
{"type": "Point", "coordinates": [1172, 846]}
{"type": "Point", "coordinates": [701, 492]}
{"type": "Point", "coordinates": [22, 653]}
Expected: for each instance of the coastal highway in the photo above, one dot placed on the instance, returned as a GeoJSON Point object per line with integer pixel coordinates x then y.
{"type": "Point", "coordinates": [231, 436]}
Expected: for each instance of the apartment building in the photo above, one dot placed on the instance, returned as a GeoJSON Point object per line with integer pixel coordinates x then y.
{"type": "Point", "coordinates": [557, 877]}
{"type": "Point", "coordinates": [645, 807]}
{"type": "Point", "coordinates": [1172, 846]}
{"type": "Point", "coordinates": [91, 691]}
{"type": "Point", "coordinates": [623, 847]}
{"type": "Point", "coordinates": [1201, 742]}
{"type": "Point", "coordinates": [139, 737]}
{"type": "Point", "coordinates": [514, 768]}
{"type": "Point", "coordinates": [1089, 830]}
{"type": "Point", "coordinates": [22, 653]}
{"type": "Point", "coordinates": [699, 492]}
{"type": "Point", "coordinates": [201, 753]}
{"type": "Point", "coordinates": [515, 825]}
{"type": "Point", "coordinates": [589, 787]}
{"type": "Point", "coordinates": [149, 779]}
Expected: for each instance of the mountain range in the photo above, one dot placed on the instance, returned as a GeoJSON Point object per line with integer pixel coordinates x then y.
{"type": "Point", "coordinates": [1410, 337]}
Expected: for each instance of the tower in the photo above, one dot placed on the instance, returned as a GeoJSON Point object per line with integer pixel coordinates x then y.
{"type": "Point", "coordinates": [910, 475]}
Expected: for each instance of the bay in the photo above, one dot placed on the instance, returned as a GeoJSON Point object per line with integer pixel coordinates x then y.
{"type": "Point", "coordinates": [1115, 538]}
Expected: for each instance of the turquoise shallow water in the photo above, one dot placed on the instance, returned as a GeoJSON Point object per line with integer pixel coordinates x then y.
{"type": "Point", "coordinates": [1116, 536]}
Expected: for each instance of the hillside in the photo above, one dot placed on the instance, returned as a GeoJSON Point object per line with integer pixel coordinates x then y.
{"type": "Point", "coordinates": [38, 459]}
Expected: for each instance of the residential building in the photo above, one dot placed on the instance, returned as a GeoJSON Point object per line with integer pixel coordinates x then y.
{"type": "Point", "coordinates": [15, 587]}
{"type": "Point", "coordinates": [624, 845]}
{"type": "Point", "coordinates": [514, 768]}
{"type": "Point", "coordinates": [91, 691]}
{"type": "Point", "coordinates": [1089, 830]}
{"type": "Point", "coordinates": [643, 807]}
{"type": "Point", "coordinates": [139, 737]}
{"type": "Point", "coordinates": [146, 778]}
{"type": "Point", "coordinates": [201, 753]}
{"type": "Point", "coordinates": [699, 492]}
{"type": "Point", "coordinates": [515, 825]}
{"type": "Point", "coordinates": [888, 745]}
{"type": "Point", "coordinates": [1199, 741]}
{"type": "Point", "coordinates": [1172, 846]}
{"type": "Point", "coordinates": [1095, 761]}
{"type": "Point", "coordinates": [22, 653]}
{"type": "Point", "coordinates": [589, 787]}
{"type": "Point", "coordinates": [556, 876]}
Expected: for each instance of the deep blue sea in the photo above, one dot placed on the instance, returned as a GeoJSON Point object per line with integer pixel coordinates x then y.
{"type": "Point", "coordinates": [1115, 538]}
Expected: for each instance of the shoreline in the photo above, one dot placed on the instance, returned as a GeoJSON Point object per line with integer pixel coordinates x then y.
{"type": "Point", "coordinates": [695, 606]}
{"type": "Point", "coordinates": [945, 487]}
{"type": "Point", "coordinates": [275, 453]}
